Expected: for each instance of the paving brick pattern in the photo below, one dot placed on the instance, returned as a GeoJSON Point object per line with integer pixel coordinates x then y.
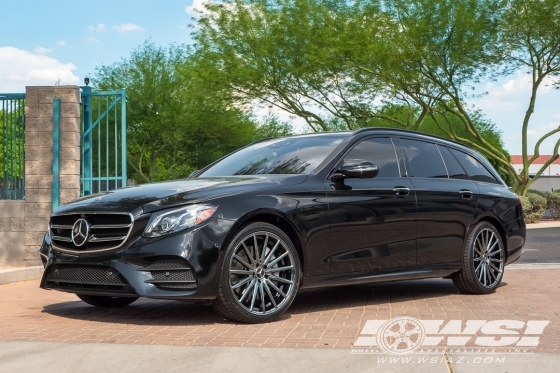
{"type": "Point", "coordinates": [326, 318]}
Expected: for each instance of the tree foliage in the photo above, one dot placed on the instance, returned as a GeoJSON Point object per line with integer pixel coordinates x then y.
{"type": "Point", "coordinates": [409, 64]}
{"type": "Point", "coordinates": [175, 122]}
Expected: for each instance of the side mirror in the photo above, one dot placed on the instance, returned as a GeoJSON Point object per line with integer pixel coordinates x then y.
{"type": "Point", "coordinates": [356, 169]}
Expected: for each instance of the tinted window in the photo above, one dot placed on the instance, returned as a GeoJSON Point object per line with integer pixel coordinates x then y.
{"type": "Point", "coordinates": [379, 150]}
{"type": "Point", "coordinates": [424, 159]}
{"type": "Point", "coordinates": [474, 168]}
{"type": "Point", "coordinates": [291, 155]}
{"type": "Point", "coordinates": [454, 169]}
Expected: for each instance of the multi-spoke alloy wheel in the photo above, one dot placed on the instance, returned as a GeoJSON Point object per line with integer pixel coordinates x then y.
{"type": "Point", "coordinates": [483, 261]}
{"type": "Point", "coordinates": [260, 276]}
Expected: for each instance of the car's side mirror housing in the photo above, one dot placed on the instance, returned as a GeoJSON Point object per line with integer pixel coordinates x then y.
{"type": "Point", "coordinates": [356, 169]}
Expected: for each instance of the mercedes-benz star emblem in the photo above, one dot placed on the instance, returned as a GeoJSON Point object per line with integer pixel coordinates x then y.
{"type": "Point", "coordinates": [80, 232]}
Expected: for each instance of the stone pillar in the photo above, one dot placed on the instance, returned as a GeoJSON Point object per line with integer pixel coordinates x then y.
{"type": "Point", "coordinates": [38, 159]}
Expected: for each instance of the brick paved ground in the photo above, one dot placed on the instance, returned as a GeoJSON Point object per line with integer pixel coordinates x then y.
{"type": "Point", "coordinates": [330, 318]}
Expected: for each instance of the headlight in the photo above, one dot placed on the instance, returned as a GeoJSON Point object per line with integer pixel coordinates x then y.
{"type": "Point", "coordinates": [166, 222]}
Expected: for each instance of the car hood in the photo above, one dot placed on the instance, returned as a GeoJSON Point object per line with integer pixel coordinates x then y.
{"type": "Point", "coordinates": [157, 196]}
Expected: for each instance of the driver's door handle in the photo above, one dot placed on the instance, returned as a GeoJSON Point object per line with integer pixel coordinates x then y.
{"type": "Point", "coordinates": [466, 193]}
{"type": "Point", "coordinates": [401, 191]}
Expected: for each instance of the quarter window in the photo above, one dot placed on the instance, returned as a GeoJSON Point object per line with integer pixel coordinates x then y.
{"type": "Point", "coordinates": [379, 150]}
{"type": "Point", "coordinates": [474, 168]}
{"type": "Point", "coordinates": [424, 159]}
{"type": "Point", "coordinates": [454, 169]}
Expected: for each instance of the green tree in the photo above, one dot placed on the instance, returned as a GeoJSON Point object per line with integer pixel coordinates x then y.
{"type": "Point", "coordinates": [175, 123]}
{"type": "Point", "coordinates": [345, 65]}
{"type": "Point", "coordinates": [530, 41]}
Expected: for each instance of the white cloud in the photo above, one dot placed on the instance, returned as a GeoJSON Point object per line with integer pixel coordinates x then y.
{"type": "Point", "coordinates": [197, 7]}
{"type": "Point", "coordinates": [92, 40]}
{"type": "Point", "coordinates": [41, 50]}
{"type": "Point", "coordinates": [20, 68]}
{"type": "Point", "coordinates": [99, 28]}
{"type": "Point", "coordinates": [505, 104]}
{"type": "Point", "coordinates": [61, 42]}
{"type": "Point", "coordinates": [127, 27]}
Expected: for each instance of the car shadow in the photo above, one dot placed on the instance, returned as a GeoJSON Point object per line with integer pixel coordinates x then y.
{"type": "Point", "coordinates": [150, 312]}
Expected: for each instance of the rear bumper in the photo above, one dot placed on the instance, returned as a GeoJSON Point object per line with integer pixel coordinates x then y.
{"type": "Point", "coordinates": [133, 270]}
{"type": "Point", "coordinates": [516, 234]}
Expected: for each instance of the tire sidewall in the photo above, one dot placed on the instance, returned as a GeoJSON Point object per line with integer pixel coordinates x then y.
{"type": "Point", "coordinates": [470, 264]}
{"type": "Point", "coordinates": [224, 278]}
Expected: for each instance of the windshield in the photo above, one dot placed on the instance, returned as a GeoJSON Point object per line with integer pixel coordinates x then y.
{"type": "Point", "coordinates": [289, 155]}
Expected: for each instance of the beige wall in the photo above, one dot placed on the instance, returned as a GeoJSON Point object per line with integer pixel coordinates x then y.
{"type": "Point", "coordinates": [12, 226]}
{"type": "Point", "coordinates": [24, 223]}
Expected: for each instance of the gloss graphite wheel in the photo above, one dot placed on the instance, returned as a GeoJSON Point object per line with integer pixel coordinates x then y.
{"type": "Point", "coordinates": [260, 276]}
{"type": "Point", "coordinates": [483, 261]}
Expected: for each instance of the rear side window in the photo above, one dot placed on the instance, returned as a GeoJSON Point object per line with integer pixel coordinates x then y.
{"type": "Point", "coordinates": [474, 168]}
{"type": "Point", "coordinates": [424, 159]}
{"type": "Point", "coordinates": [454, 169]}
{"type": "Point", "coordinates": [379, 150]}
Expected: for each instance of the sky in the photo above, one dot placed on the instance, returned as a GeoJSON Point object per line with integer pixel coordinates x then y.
{"type": "Point", "coordinates": [43, 42]}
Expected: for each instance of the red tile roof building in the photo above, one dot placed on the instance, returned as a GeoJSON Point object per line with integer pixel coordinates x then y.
{"type": "Point", "coordinates": [552, 170]}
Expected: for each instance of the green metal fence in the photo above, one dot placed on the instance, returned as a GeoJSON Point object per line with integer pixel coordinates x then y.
{"type": "Point", "coordinates": [12, 145]}
{"type": "Point", "coordinates": [103, 140]}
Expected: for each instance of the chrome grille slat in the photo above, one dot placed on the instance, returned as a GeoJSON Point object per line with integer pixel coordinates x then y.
{"type": "Point", "coordinates": [58, 238]}
{"type": "Point", "coordinates": [106, 239]}
{"type": "Point", "coordinates": [100, 226]}
{"type": "Point", "coordinates": [107, 231]}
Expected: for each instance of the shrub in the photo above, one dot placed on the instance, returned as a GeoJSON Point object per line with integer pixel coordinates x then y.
{"type": "Point", "coordinates": [533, 191]}
{"type": "Point", "coordinates": [538, 207]}
{"type": "Point", "coordinates": [533, 218]}
{"type": "Point", "coordinates": [526, 205]}
{"type": "Point", "coordinates": [553, 205]}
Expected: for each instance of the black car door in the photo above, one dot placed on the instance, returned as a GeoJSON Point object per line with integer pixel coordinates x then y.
{"type": "Point", "coordinates": [372, 220]}
{"type": "Point", "coordinates": [446, 200]}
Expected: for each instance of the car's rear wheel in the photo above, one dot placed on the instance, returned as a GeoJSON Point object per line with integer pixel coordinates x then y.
{"type": "Point", "coordinates": [260, 275]}
{"type": "Point", "coordinates": [483, 261]}
{"type": "Point", "coordinates": [106, 302]}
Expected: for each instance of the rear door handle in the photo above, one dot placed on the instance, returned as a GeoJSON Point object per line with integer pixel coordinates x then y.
{"type": "Point", "coordinates": [401, 191]}
{"type": "Point", "coordinates": [466, 193]}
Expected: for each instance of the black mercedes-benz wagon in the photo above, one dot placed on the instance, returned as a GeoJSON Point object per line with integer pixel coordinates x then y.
{"type": "Point", "coordinates": [249, 230]}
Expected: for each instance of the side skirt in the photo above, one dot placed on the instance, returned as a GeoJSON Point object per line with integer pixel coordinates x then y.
{"type": "Point", "coordinates": [409, 273]}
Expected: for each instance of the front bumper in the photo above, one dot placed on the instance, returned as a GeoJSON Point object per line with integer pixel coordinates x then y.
{"type": "Point", "coordinates": [133, 269]}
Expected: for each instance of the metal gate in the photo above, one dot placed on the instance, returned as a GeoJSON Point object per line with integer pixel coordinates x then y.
{"type": "Point", "coordinates": [103, 141]}
{"type": "Point", "coordinates": [12, 145]}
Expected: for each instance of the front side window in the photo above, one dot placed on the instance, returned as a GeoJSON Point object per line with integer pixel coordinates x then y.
{"type": "Point", "coordinates": [290, 155]}
{"type": "Point", "coordinates": [379, 150]}
{"type": "Point", "coordinates": [424, 159]}
{"type": "Point", "coordinates": [475, 169]}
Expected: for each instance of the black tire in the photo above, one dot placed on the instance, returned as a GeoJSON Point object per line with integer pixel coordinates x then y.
{"type": "Point", "coordinates": [106, 302]}
{"type": "Point", "coordinates": [483, 269]}
{"type": "Point", "coordinates": [274, 285]}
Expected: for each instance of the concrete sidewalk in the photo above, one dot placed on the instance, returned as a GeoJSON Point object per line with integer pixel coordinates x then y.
{"type": "Point", "coordinates": [85, 357]}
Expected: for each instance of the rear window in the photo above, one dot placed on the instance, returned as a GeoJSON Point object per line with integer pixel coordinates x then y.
{"type": "Point", "coordinates": [424, 159]}
{"type": "Point", "coordinates": [475, 169]}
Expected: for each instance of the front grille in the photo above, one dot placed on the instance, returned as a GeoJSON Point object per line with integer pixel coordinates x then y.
{"type": "Point", "coordinates": [75, 277]}
{"type": "Point", "coordinates": [104, 231]}
{"type": "Point", "coordinates": [171, 274]}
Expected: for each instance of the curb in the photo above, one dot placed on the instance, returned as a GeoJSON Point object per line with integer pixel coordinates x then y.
{"type": "Point", "coordinates": [534, 266]}
{"type": "Point", "coordinates": [10, 275]}
{"type": "Point", "coordinates": [548, 224]}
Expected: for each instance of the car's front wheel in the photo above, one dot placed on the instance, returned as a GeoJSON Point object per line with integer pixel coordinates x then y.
{"type": "Point", "coordinates": [106, 302]}
{"type": "Point", "coordinates": [483, 261]}
{"type": "Point", "coordinates": [260, 275]}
